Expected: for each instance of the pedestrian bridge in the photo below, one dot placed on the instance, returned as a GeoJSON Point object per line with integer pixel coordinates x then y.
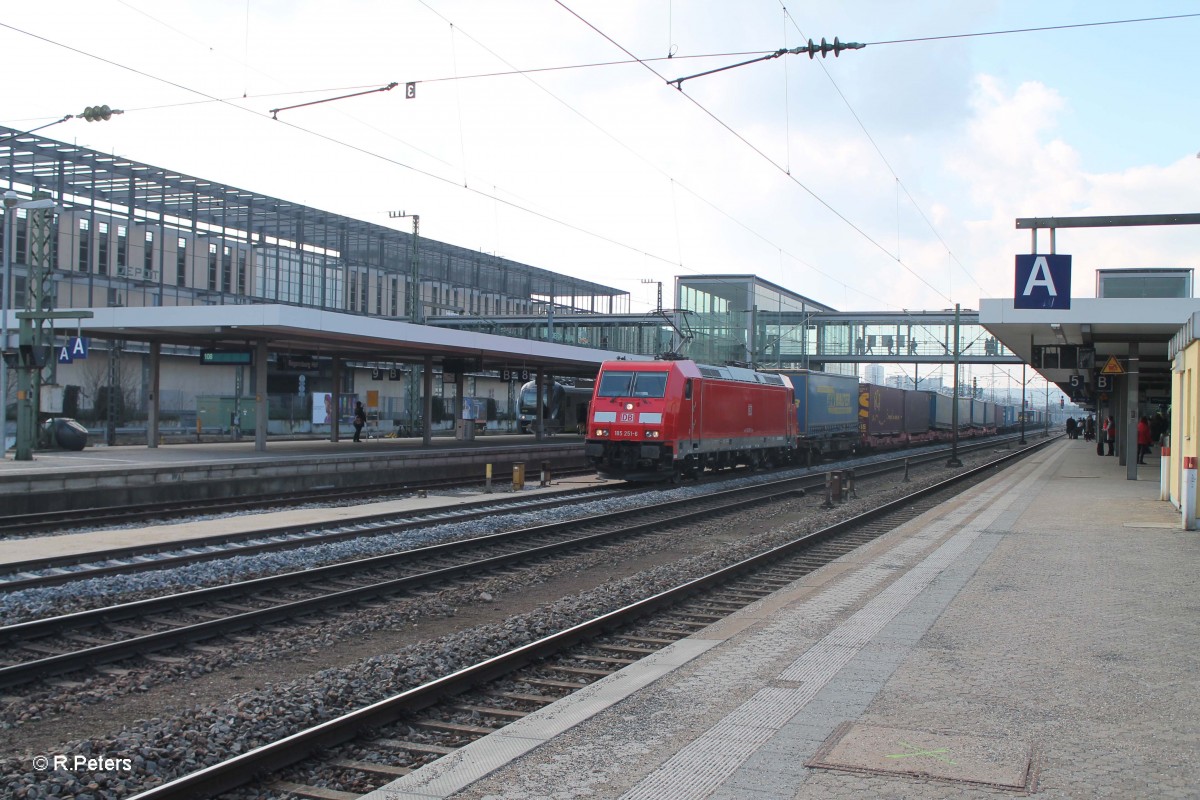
{"type": "Point", "coordinates": [810, 339]}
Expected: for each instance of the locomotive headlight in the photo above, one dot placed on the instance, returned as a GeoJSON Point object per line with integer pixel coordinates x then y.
{"type": "Point", "coordinates": [602, 431]}
{"type": "Point", "coordinates": [629, 406]}
{"type": "Point", "coordinates": [652, 434]}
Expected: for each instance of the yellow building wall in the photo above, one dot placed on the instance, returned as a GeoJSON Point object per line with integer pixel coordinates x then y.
{"type": "Point", "coordinates": [1185, 417]}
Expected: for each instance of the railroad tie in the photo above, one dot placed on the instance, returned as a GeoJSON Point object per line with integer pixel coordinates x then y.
{"type": "Point", "coordinates": [492, 711]}
{"type": "Point", "coordinates": [413, 747]}
{"type": "Point", "coordinates": [370, 767]}
{"type": "Point", "coordinates": [453, 727]}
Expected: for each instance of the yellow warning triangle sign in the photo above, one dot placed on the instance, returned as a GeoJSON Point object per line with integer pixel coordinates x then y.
{"type": "Point", "coordinates": [1112, 367]}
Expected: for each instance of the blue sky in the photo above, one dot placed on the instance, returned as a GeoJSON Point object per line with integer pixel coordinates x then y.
{"type": "Point", "coordinates": [609, 174]}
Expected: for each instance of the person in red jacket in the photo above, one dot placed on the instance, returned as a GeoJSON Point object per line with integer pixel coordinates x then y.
{"type": "Point", "coordinates": [1143, 434]}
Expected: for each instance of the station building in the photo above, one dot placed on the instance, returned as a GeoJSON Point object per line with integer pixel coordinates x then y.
{"type": "Point", "coordinates": [129, 241]}
{"type": "Point", "coordinates": [126, 235]}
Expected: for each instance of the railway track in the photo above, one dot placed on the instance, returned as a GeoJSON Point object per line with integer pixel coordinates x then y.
{"type": "Point", "coordinates": [57, 570]}
{"type": "Point", "coordinates": [116, 516]}
{"type": "Point", "coordinates": [58, 645]}
{"type": "Point", "coordinates": [344, 757]}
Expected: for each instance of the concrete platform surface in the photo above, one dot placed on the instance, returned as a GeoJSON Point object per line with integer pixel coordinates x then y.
{"type": "Point", "coordinates": [1039, 634]}
{"type": "Point", "coordinates": [125, 457]}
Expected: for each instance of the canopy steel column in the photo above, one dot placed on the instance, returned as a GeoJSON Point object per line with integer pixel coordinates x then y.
{"type": "Point", "coordinates": [155, 379]}
{"type": "Point", "coordinates": [539, 387]}
{"type": "Point", "coordinates": [335, 406]}
{"type": "Point", "coordinates": [427, 402]}
{"type": "Point", "coordinates": [261, 416]}
{"type": "Point", "coordinates": [1131, 413]}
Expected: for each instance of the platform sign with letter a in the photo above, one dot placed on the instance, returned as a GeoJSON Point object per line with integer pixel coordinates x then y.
{"type": "Point", "coordinates": [76, 347]}
{"type": "Point", "coordinates": [1043, 282]}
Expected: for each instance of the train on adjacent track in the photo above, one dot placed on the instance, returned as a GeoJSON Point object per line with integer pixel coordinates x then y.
{"type": "Point", "coordinates": [671, 419]}
{"type": "Point", "coordinates": [564, 407]}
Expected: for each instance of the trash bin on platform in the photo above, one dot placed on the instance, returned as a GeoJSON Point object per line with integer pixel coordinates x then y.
{"type": "Point", "coordinates": [65, 433]}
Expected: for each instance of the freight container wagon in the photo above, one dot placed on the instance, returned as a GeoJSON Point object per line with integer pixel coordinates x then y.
{"type": "Point", "coordinates": [880, 415]}
{"type": "Point", "coordinates": [941, 412]}
{"type": "Point", "coordinates": [916, 414]}
{"type": "Point", "coordinates": [979, 415]}
{"type": "Point", "coordinates": [826, 412]}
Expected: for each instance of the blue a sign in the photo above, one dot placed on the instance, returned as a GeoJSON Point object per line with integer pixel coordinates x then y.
{"type": "Point", "coordinates": [76, 347]}
{"type": "Point", "coordinates": [1043, 282]}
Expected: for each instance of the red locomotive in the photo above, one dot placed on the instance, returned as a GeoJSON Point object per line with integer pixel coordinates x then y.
{"type": "Point", "coordinates": [665, 420]}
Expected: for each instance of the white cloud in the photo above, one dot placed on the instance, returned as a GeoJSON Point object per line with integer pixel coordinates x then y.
{"type": "Point", "coordinates": [1013, 165]}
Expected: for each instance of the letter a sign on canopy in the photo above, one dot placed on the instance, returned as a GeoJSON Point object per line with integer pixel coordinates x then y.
{"type": "Point", "coordinates": [1043, 282]}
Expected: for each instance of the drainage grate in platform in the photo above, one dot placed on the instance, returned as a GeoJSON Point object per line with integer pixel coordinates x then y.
{"type": "Point", "coordinates": [1000, 763]}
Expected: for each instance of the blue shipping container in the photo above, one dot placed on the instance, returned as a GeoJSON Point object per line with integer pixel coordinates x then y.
{"type": "Point", "coordinates": [826, 404]}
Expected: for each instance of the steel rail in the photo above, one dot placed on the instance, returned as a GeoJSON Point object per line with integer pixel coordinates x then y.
{"type": "Point", "coordinates": [103, 515]}
{"type": "Point", "coordinates": [417, 519]}
{"type": "Point", "coordinates": [287, 537]}
{"type": "Point", "coordinates": [25, 672]}
{"type": "Point", "coordinates": [232, 773]}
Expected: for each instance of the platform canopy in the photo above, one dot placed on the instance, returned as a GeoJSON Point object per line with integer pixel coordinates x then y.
{"type": "Point", "coordinates": [1105, 326]}
{"type": "Point", "coordinates": [296, 330]}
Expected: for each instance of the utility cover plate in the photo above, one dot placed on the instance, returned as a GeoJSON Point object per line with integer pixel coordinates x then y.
{"type": "Point", "coordinates": [948, 757]}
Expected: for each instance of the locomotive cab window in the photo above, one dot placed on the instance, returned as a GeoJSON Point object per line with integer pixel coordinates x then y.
{"type": "Point", "coordinates": [615, 384]}
{"type": "Point", "coordinates": [650, 384]}
{"type": "Point", "coordinates": [632, 384]}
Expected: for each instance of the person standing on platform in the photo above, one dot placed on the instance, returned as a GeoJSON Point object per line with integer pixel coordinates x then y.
{"type": "Point", "coordinates": [1089, 428]}
{"type": "Point", "coordinates": [360, 419]}
{"type": "Point", "coordinates": [1143, 436]}
{"type": "Point", "coordinates": [1158, 426]}
{"type": "Point", "coordinates": [1110, 434]}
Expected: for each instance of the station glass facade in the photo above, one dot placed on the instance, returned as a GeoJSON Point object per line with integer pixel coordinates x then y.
{"type": "Point", "coordinates": [742, 319]}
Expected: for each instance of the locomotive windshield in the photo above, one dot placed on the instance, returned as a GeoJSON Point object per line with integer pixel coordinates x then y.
{"type": "Point", "coordinates": [632, 384]}
{"type": "Point", "coordinates": [528, 401]}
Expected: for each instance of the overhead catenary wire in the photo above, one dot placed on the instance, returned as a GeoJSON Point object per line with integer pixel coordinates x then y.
{"type": "Point", "coordinates": [516, 205]}
{"type": "Point", "coordinates": [1034, 30]}
{"type": "Point", "coordinates": [388, 88]}
{"type": "Point", "coordinates": [761, 154]}
{"type": "Point", "coordinates": [335, 140]}
{"type": "Point", "coordinates": [674, 181]}
{"type": "Point", "coordinates": [340, 142]}
{"type": "Point", "coordinates": [899, 183]}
